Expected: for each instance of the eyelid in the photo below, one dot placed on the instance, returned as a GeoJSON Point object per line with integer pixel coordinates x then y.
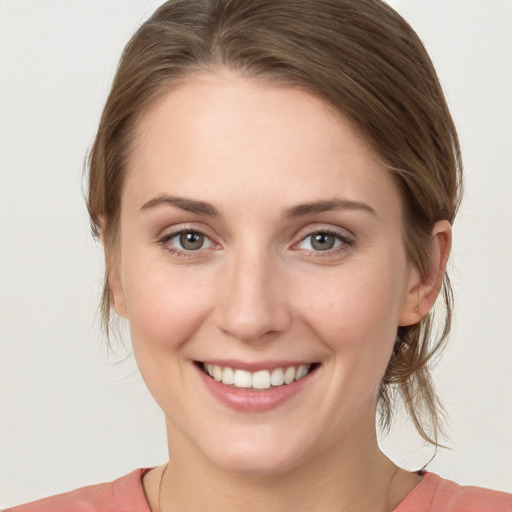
{"type": "Point", "coordinates": [324, 228]}
{"type": "Point", "coordinates": [207, 243]}
{"type": "Point", "coordinates": [172, 232]}
{"type": "Point", "coordinates": [346, 237]}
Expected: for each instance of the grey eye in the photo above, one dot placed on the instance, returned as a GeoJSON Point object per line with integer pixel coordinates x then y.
{"type": "Point", "coordinates": [321, 241]}
{"type": "Point", "coordinates": [190, 241]}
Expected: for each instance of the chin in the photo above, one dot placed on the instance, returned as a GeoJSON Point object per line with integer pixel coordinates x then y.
{"type": "Point", "coordinates": [256, 464]}
{"type": "Point", "coordinates": [257, 455]}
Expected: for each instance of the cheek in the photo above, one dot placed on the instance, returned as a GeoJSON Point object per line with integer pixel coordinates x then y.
{"type": "Point", "coordinates": [165, 310]}
{"type": "Point", "coordinates": [356, 310]}
{"type": "Point", "coordinates": [165, 306]}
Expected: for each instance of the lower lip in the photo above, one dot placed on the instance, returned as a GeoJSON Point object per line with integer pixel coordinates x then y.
{"type": "Point", "coordinates": [245, 400]}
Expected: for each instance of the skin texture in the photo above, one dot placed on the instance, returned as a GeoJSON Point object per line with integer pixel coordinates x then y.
{"type": "Point", "coordinates": [258, 290]}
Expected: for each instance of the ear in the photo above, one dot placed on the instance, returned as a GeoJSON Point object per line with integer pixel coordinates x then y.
{"type": "Point", "coordinates": [113, 273]}
{"type": "Point", "coordinates": [115, 286]}
{"type": "Point", "coordinates": [422, 290]}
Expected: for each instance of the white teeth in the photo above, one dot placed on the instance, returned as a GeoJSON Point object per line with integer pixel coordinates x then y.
{"type": "Point", "coordinates": [228, 375]}
{"type": "Point", "coordinates": [277, 377]}
{"type": "Point", "coordinates": [289, 375]}
{"type": "Point", "coordinates": [217, 373]}
{"type": "Point", "coordinates": [302, 371]}
{"type": "Point", "coordinates": [242, 379]}
{"type": "Point", "coordinates": [262, 379]}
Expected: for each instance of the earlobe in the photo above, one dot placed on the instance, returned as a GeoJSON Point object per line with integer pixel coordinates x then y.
{"type": "Point", "coordinates": [112, 273]}
{"type": "Point", "coordinates": [422, 290]}
{"type": "Point", "coordinates": [116, 290]}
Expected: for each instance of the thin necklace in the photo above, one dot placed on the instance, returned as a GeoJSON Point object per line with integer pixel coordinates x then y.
{"type": "Point", "coordinates": [160, 487]}
{"type": "Point", "coordinates": [388, 490]}
{"type": "Point", "coordinates": [386, 505]}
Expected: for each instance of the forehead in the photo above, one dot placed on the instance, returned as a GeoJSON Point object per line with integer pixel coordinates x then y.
{"type": "Point", "coordinates": [212, 100]}
{"type": "Point", "coordinates": [219, 134]}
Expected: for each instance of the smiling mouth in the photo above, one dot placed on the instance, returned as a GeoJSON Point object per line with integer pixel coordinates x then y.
{"type": "Point", "coordinates": [259, 380]}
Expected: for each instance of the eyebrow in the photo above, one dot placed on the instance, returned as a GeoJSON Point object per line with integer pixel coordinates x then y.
{"type": "Point", "coordinates": [301, 210]}
{"type": "Point", "coordinates": [336, 203]}
{"type": "Point", "coordinates": [189, 205]}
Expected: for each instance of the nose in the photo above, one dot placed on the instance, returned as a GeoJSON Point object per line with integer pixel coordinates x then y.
{"type": "Point", "coordinates": [253, 305]}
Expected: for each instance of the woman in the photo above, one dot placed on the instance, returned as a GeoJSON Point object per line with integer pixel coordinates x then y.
{"type": "Point", "coordinates": [274, 184]}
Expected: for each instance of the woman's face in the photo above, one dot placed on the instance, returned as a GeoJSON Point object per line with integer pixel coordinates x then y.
{"type": "Point", "coordinates": [259, 239]}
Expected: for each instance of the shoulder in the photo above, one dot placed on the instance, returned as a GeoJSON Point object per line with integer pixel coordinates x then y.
{"type": "Point", "coordinates": [122, 495]}
{"type": "Point", "coordinates": [436, 494]}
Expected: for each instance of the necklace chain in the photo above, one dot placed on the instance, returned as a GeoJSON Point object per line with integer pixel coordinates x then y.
{"type": "Point", "coordinates": [160, 486]}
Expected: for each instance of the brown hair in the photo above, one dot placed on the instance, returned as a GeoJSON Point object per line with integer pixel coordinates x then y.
{"type": "Point", "coordinates": [358, 55]}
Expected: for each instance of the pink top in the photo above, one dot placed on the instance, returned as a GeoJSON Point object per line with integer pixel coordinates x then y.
{"type": "Point", "coordinates": [432, 494]}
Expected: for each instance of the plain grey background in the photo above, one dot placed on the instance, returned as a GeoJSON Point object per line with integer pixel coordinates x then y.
{"type": "Point", "coordinates": [68, 416]}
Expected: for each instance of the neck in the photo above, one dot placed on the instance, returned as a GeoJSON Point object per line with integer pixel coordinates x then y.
{"type": "Point", "coordinates": [352, 476]}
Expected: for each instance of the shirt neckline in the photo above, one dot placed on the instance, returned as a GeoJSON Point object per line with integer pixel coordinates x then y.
{"type": "Point", "coordinates": [129, 491]}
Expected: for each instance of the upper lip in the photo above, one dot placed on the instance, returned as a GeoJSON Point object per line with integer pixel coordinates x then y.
{"type": "Point", "coordinates": [254, 366]}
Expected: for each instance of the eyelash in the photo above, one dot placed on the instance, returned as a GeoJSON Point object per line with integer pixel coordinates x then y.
{"type": "Point", "coordinates": [345, 242]}
{"type": "Point", "coordinates": [182, 253]}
